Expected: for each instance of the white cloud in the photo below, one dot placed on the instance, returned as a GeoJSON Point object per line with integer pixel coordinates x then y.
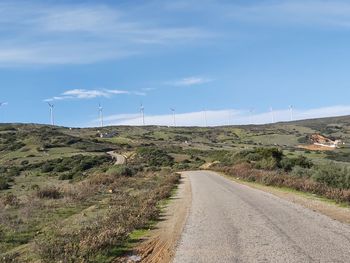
{"type": "Point", "coordinates": [224, 117]}
{"type": "Point", "coordinates": [116, 91]}
{"type": "Point", "coordinates": [80, 33]}
{"type": "Point", "coordinates": [297, 12]}
{"type": "Point", "coordinates": [189, 81]}
{"type": "Point", "coordinates": [87, 94]}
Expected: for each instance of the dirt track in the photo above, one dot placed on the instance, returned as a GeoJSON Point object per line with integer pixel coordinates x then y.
{"type": "Point", "coordinates": [119, 159]}
{"type": "Point", "coordinates": [230, 222]}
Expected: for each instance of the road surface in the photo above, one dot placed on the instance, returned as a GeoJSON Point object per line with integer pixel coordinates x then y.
{"type": "Point", "coordinates": [119, 159]}
{"type": "Point", "coordinates": [229, 222]}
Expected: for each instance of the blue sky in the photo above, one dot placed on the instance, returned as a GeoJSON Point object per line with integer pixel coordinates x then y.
{"type": "Point", "coordinates": [225, 61]}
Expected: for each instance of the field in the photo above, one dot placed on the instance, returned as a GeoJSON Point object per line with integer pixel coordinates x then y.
{"type": "Point", "coordinates": [63, 199]}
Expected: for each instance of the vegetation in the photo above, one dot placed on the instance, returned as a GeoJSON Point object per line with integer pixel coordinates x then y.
{"type": "Point", "coordinates": [126, 212]}
{"type": "Point", "coordinates": [62, 199]}
{"type": "Point", "coordinates": [154, 157]}
{"type": "Point", "coordinates": [270, 166]}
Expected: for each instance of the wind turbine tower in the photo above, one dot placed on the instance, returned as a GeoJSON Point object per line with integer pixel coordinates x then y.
{"type": "Point", "coordinates": [272, 115]}
{"type": "Point", "coordinates": [51, 106]}
{"type": "Point", "coordinates": [251, 111]}
{"type": "Point", "coordinates": [142, 110]}
{"type": "Point", "coordinates": [174, 115]}
{"type": "Point", "coordinates": [291, 109]}
{"type": "Point", "coordinates": [100, 113]}
{"type": "Point", "coordinates": [205, 118]}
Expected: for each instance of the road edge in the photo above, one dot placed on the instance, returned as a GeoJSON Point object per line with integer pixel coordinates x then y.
{"type": "Point", "coordinates": [160, 245]}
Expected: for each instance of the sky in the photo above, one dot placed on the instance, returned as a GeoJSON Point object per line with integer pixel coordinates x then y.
{"type": "Point", "coordinates": [215, 62]}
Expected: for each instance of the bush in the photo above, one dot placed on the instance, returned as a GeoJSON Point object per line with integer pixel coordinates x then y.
{"type": "Point", "coordinates": [24, 162]}
{"type": "Point", "coordinates": [121, 170]}
{"type": "Point", "coordinates": [298, 171]}
{"type": "Point", "coordinates": [4, 184]}
{"type": "Point", "coordinates": [49, 193]}
{"type": "Point", "coordinates": [332, 174]}
{"type": "Point", "coordinates": [269, 157]}
{"type": "Point", "coordinates": [267, 164]}
{"type": "Point", "coordinates": [289, 163]}
{"type": "Point", "coordinates": [46, 168]}
{"type": "Point", "coordinates": [76, 164]}
{"type": "Point", "coordinates": [154, 157]}
{"type": "Point", "coordinates": [128, 211]}
{"type": "Point", "coordinates": [13, 171]}
{"type": "Point", "coordinates": [66, 176]}
{"type": "Point", "coordinates": [10, 199]}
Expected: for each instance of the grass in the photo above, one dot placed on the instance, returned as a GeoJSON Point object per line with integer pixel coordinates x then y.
{"type": "Point", "coordinates": [90, 193]}
{"type": "Point", "coordinates": [139, 234]}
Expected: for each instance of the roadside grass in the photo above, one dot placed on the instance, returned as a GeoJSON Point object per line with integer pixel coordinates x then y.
{"type": "Point", "coordinates": [132, 205]}
{"type": "Point", "coordinates": [136, 236]}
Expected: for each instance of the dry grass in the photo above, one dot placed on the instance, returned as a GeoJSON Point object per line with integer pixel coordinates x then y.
{"type": "Point", "coordinates": [131, 205]}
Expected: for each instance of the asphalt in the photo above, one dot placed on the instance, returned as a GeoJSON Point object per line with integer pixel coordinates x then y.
{"type": "Point", "coordinates": [230, 222]}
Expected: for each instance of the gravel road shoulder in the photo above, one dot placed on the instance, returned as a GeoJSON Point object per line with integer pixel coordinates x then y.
{"type": "Point", "coordinates": [159, 246]}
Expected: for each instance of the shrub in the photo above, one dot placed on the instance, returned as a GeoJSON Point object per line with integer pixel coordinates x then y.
{"type": "Point", "coordinates": [289, 163]}
{"type": "Point", "coordinates": [46, 168]}
{"type": "Point", "coordinates": [269, 157]}
{"type": "Point", "coordinates": [267, 164]}
{"type": "Point", "coordinates": [154, 157]}
{"type": "Point", "coordinates": [128, 211]}
{"type": "Point", "coordinates": [76, 164]}
{"type": "Point", "coordinates": [13, 171]}
{"type": "Point", "coordinates": [4, 184]}
{"type": "Point", "coordinates": [66, 176]}
{"type": "Point", "coordinates": [298, 171]}
{"type": "Point", "coordinates": [121, 170]}
{"type": "Point", "coordinates": [35, 187]}
{"type": "Point", "coordinates": [332, 174]}
{"type": "Point", "coordinates": [10, 199]}
{"type": "Point", "coordinates": [24, 162]}
{"type": "Point", "coordinates": [49, 193]}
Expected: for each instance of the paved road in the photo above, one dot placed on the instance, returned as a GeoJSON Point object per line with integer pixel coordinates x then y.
{"type": "Point", "coordinates": [229, 222]}
{"type": "Point", "coordinates": [119, 159]}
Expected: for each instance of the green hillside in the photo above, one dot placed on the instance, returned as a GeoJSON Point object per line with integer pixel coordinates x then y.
{"type": "Point", "coordinates": [59, 188]}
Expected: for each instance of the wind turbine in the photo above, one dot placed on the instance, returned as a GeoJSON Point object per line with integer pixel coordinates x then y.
{"type": "Point", "coordinates": [3, 104]}
{"type": "Point", "coordinates": [174, 115]}
{"type": "Point", "coordinates": [205, 118]}
{"type": "Point", "coordinates": [229, 118]}
{"type": "Point", "coordinates": [51, 113]}
{"type": "Point", "coordinates": [251, 111]}
{"type": "Point", "coordinates": [100, 113]}
{"type": "Point", "coordinates": [142, 111]}
{"type": "Point", "coordinates": [291, 108]}
{"type": "Point", "coordinates": [272, 115]}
